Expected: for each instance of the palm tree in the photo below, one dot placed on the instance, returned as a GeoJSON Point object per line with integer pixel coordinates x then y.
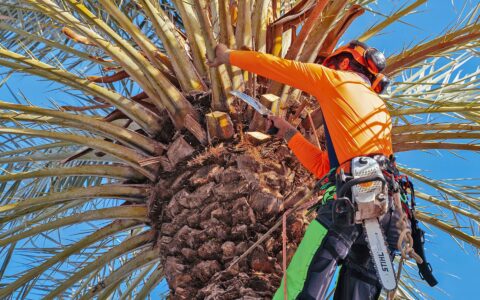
{"type": "Point", "coordinates": [156, 174]}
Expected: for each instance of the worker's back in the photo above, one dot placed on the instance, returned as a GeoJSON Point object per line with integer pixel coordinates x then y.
{"type": "Point", "coordinates": [358, 120]}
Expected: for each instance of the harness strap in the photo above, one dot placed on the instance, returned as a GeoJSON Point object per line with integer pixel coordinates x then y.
{"type": "Point", "coordinates": [332, 156]}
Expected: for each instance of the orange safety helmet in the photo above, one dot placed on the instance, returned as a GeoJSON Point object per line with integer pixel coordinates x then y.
{"type": "Point", "coordinates": [372, 59]}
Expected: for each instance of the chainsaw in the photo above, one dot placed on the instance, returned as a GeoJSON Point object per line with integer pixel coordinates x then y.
{"type": "Point", "coordinates": [369, 194]}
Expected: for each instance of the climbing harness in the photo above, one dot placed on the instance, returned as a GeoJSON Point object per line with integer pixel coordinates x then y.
{"type": "Point", "coordinates": [411, 239]}
{"type": "Point", "coordinates": [368, 201]}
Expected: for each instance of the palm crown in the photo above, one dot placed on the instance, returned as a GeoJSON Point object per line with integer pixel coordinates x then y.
{"type": "Point", "coordinates": [155, 169]}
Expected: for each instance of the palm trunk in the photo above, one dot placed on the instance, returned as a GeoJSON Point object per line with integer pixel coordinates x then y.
{"type": "Point", "coordinates": [215, 210]}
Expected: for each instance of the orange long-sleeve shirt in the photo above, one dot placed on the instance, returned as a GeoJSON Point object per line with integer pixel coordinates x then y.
{"type": "Point", "coordinates": [357, 118]}
{"type": "Point", "coordinates": [312, 158]}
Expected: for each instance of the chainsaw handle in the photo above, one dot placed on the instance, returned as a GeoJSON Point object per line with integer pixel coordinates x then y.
{"type": "Point", "coordinates": [349, 184]}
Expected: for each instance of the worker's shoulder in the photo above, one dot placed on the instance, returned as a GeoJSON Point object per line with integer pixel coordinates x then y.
{"type": "Point", "coordinates": [349, 76]}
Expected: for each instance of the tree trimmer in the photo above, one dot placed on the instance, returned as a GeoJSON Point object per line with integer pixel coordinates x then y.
{"type": "Point", "coordinates": [369, 193]}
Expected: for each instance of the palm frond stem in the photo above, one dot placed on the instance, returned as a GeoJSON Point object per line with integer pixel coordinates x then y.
{"type": "Point", "coordinates": [220, 80]}
{"type": "Point", "coordinates": [447, 205]}
{"type": "Point", "coordinates": [402, 147]}
{"type": "Point", "coordinates": [140, 260]}
{"type": "Point", "coordinates": [455, 194]}
{"type": "Point", "coordinates": [111, 229]}
{"type": "Point", "coordinates": [435, 127]}
{"type": "Point", "coordinates": [135, 212]}
{"type": "Point", "coordinates": [110, 191]}
{"type": "Point", "coordinates": [111, 130]}
{"type": "Point", "coordinates": [127, 294]}
{"type": "Point", "coordinates": [194, 35]}
{"type": "Point", "coordinates": [448, 42]}
{"type": "Point", "coordinates": [390, 20]}
{"type": "Point", "coordinates": [416, 137]}
{"type": "Point", "coordinates": [175, 47]}
{"type": "Point", "coordinates": [127, 155]}
{"type": "Point", "coordinates": [58, 157]}
{"type": "Point", "coordinates": [144, 117]}
{"type": "Point", "coordinates": [161, 91]}
{"type": "Point", "coordinates": [152, 281]}
{"type": "Point", "coordinates": [108, 171]}
{"type": "Point", "coordinates": [451, 230]}
{"type": "Point", "coordinates": [128, 245]}
{"type": "Point", "coordinates": [434, 109]}
{"type": "Point", "coordinates": [35, 148]}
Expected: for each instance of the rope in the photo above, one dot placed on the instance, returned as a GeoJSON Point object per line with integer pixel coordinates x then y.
{"type": "Point", "coordinates": [404, 243]}
{"type": "Point", "coordinates": [391, 295]}
{"type": "Point", "coordinates": [405, 240]}
{"type": "Point", "coordinates": [284, 253]}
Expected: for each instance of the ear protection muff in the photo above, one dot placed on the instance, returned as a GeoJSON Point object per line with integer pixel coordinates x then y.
{"type": "Point", "coordinates": [380, 83]}
{"type": "Point", "coordinates": [369, 57]}
{"type": "Point", "coordinates": [372, 59]}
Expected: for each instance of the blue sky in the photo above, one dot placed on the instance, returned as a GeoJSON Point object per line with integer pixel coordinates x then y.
{"type": "Point", "coordinates": [456, 269]}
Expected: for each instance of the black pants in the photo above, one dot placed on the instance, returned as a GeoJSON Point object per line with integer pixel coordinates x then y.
{"type": "Point", "coordinates": [346, 246]}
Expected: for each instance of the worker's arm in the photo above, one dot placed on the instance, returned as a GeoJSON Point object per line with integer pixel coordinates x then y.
{"type": "Point", "coordinates": [307, 77]}
{"type": "Point", "coordinates": [312, 158]}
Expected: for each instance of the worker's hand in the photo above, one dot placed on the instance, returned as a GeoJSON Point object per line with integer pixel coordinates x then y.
{"type": "Point", "coordinates": [222, 56]}
{"type": "Point", "coordinates": [285, 129]}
